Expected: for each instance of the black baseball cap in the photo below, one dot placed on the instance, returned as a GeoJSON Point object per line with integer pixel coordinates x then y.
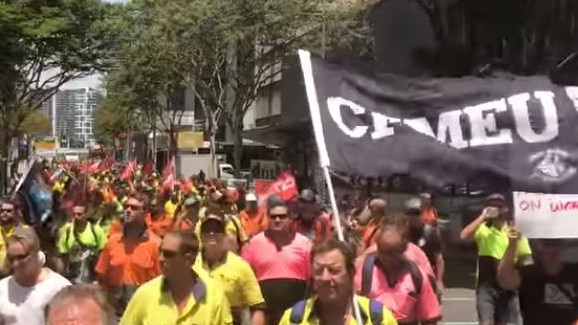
{"type": "Point", "coordinates": [213, 224]}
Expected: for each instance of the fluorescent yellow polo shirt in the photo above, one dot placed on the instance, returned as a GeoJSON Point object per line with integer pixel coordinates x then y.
{"type": "Point", "coordinates": [170, 209]}
{"type": "Point", "coordinates": [92, 236]}
{"type": "Point", "coordinates": [310, 318]}
{"type": "Point", "coordinates": [152, 304]}
{"type": "Point", "coordinates": [492, 242]}
{"type": "Point", "coordinates": [236, 278]}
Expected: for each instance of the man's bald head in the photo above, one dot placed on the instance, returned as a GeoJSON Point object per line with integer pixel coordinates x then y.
{"type": "Point", "coordinates": [82, 304]}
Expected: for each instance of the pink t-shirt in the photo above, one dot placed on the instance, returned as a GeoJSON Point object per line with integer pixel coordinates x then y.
{"type": "Point", "coordinates": [412, 253]}
{"type": "Point", "coordinates": [405, 306]}
{"type": "Point", "coordinates": [291, 262]}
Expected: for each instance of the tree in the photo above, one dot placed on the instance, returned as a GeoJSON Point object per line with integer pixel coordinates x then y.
{"type": "Point", "coordinates": [142, 82]}
{"type": "Point", "coordinates": [36, 124]}
{"type": "Point", "coordinates": [225, 51]}
{"type": "Point", "coordinates": [44, 45]}
{"type": "Point", "coordinates": [516, 36]}
{"type": "Point", "coordinates": [112, 121]}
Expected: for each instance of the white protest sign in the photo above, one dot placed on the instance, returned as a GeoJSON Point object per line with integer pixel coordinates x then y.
{"type": "Point", "coordinates": [546, 215]}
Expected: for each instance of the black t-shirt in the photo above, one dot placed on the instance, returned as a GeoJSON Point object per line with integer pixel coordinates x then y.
{"type": "Point", "coordinates": [548, 299]}
{"type": "Point", "coordinates": [431, 243]}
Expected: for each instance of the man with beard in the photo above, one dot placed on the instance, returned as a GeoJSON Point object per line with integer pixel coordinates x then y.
{"type": "Point", "coordinates": [131, 257]}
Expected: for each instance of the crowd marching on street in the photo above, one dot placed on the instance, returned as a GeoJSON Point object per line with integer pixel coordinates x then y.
{"type": "Point", "coordinates": [130, 246]}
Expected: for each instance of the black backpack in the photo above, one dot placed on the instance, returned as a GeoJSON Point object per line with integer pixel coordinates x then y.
{"type": "Point", "coordinates": [367, 276]}
{"type": "Point", "coordinates": [375, 312]}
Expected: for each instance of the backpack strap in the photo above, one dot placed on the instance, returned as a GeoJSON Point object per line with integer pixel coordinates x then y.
{"type": "Point", "coordinates": [237, 230]}
{"type": "Point", "coordinates": [297, 312]}
{"type": "Point", "coordinates": [416, 277]}
{"type": "Point", "coordinates": [367, 274]}
{"type": "Point", "coordinates": [375, 312]}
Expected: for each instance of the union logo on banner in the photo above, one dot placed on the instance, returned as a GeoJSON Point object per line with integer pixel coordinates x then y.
{"type": "Point", "coordinates": [285, 187]}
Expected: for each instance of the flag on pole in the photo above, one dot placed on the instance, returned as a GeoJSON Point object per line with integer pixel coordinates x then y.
{"type": "Point", "coordinates": [169, 177]}
{"type": "Point", "coordinates": [128, 170]}
{"type": "Point", "coordinates": [36, 194]}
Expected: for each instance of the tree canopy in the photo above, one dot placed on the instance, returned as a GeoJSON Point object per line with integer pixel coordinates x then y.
{"type": "Point", "coordinates": [44, 45]}
{"type": "Point", "coordinates": [223, 51]}
{"type": "Point", "coordinates": [36, 124]}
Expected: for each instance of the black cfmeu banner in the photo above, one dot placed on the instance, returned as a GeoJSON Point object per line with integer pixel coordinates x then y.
{"type": "Point", "coordinates": [520, 131]}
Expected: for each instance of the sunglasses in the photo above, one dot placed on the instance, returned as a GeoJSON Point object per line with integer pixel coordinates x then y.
{"type": "Point", "coordinates": [6, 210]}
{"type": "Point", "coordinates": [168, 254]}
{"type": "Point", "coordinates": [78, 214]}
{"type": "Point", "coordinates": [278, 216]}
{"type": "Point", "coordinates": [17, 258]}
{"type": "Point", "coordinates": [131, 207]}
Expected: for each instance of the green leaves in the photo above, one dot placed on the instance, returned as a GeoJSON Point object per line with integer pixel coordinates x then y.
{"type": "Point", "coordinates": [112, 120]}
{"type": "Point", "coordinates": [38, 36]}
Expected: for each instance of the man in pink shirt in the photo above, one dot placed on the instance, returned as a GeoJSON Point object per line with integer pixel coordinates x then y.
{"type": "Point", "coordinates": [390, 277]}
{"type": "Point", "coordinates": [280, 258]}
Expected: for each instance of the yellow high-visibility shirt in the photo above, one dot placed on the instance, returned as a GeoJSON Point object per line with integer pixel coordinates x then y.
{"type": "Point", "coordinates": [309, 317]}
{"type": "Point", "coordinates": [236, 278]}
{"type": "Point", "coordinates": [152, 303]}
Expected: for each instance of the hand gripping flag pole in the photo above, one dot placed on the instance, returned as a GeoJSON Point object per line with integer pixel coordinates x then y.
{"type": "Point", "coordinates": [305, 58]}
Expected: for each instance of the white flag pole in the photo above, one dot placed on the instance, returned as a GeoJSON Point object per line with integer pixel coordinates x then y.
{"type": "Point", "coordinates": [23, 178]}
{"type": "Point", "coordinates": [305, 58]}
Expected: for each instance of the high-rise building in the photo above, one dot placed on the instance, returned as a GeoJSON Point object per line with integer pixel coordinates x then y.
{"type": "Point", "coordinates": [72, 118]}
{"type": "Point", "coordinates": [48, 108]}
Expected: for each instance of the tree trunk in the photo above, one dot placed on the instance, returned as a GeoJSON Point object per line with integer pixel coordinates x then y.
{"type": "Point", "coordinates": [212, 139]}
{"type": "Point", "coordinates": [237, 148]}
{"type": "Point", "coordinates": [4, 156]}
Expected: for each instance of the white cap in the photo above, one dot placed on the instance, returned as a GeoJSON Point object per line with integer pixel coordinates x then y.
{"type": "Point", "coordinates": [250, 197]}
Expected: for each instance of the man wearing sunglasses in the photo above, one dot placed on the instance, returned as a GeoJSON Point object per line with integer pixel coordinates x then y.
{"type": "Point", "coordinates": [129, 258]}
{"type": "Point", "coordinates": [279, 257]}
{"type": "Point", "coordinates": [8, 223]}
{"type": "Point", "coordinates": [179, 295]}
{"type": "Point", "coordinates": [232, 272]}
{"type": "Point", "coordinates": [24, 295]}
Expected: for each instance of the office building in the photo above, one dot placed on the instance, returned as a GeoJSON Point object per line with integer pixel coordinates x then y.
{"type": "Point", "coordinates": [72, 117]}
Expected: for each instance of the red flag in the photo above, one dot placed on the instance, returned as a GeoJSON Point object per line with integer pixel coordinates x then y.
{"type": "Point", "coordinates": [169, 177]}
{"type": "Point", "coordinates": [128, 170]}
{"type": "Point", "coordinates": [108, 162]}
{"type": "Point", "coordinates": [93, 168]}
{"type": "Point", "coordinates": [285, 187]}
{"type": "Point", "coordinates": [148, 167]}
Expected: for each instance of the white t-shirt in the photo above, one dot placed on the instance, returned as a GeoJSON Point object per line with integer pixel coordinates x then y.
{"type": "Point", "coordinates": [25, 305]}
